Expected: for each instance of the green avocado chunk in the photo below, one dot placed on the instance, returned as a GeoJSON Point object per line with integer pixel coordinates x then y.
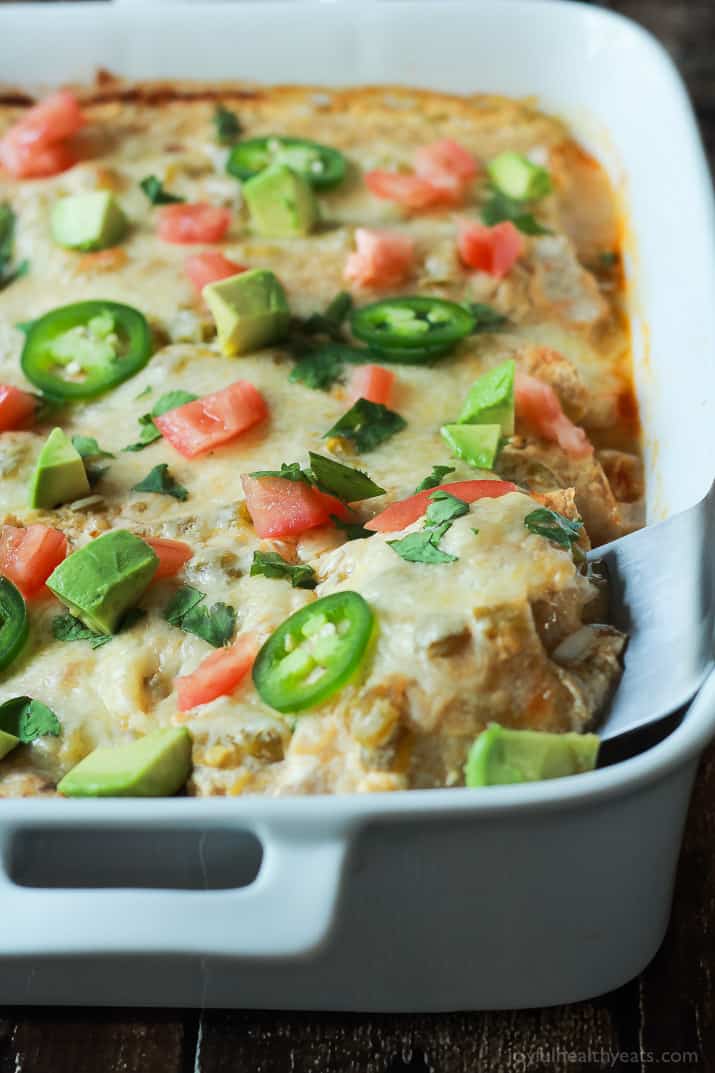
{"type": "Point", "coordinates": [154, 766]}
{"type": "Point", "coordinates": [281, 202]}
{"type": "Point", "coordinates": [250, 310]}
{"type": "Point", "coordinates": [7, 743]}
{"type": "Point", "coordinates": [106, 577]}
{"type": "Point", "coordinates": [89, 221]}
{"type": "Point", "coordinates": [514, 175]}
{"type": "Point", "coordinates": [59, 476]}
{"type": "Point", "coordinates": [476, 444]}
{"type": "Point", "coordinates": [500, 756]}
{"type": "Point", "coordinates": [490, 400]}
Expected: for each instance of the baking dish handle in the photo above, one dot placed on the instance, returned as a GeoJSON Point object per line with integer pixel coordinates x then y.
{"type": "Point", "coordinates": [286, 911]}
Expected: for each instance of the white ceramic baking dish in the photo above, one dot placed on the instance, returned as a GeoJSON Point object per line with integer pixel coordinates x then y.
{"type": "Point", "coordinates": [432, 900]}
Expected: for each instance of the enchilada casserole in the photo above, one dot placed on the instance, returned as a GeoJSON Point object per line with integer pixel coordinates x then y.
{"type": "Point", "coordinates": [311, 403]}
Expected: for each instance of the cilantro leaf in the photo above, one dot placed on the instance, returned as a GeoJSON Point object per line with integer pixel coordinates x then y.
{"type": "Point", "coordinates": [444, 507]}
{"type": "Point", "coordinates": [487, 318]}
{"type": "Point", "coordinates": [271, 564]}
{"type": "Point", "coordinates": [352, 530]}
{"type": "Point", "coordinates": [95, 473]}
{"type": "Point", "coordinates": [227, 125]}
{"type": "Point", "coordinates": [367, 424]}
{"type": "Point", "coordinates": [87, 447]}
{"type": "Point", "coordinates": [553, 526]}
{"type": "Point", "coordinates": [7, 238]}
{"type": "Point", "coordinates": [148, 432]}
{"type": "Point", "coordinates": [320, 367]}
{"type": "Point", "coordinates": [68, 628]}
{"type": "Point", "coordinates": [436, 477]}
{"type": "Point", "coordinates": [183, 600]}
{"type": "Point", "coordinates": [499, 207]}
{"type": "Point", "coordinates": [214, 624]}
{"type": "Point", "coordinates": [160, 480]}
{"type": "Point", "coordinates": [289, 471]}
{"type": "Point", "coordinates": [28, 719]}
{"type": "Point", "coordinates": [342, 481]}
{"type": "Point", "coordinates": [154, 190]}
{"type": "Point", "coordinates": [423, 547]}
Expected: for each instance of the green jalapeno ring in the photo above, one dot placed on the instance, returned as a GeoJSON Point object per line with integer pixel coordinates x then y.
{"type": "Point", "coordinates": [411, 355]}
{"type": "Point", "coordinates": [321, 165]}
{"type": "Point", "coordinates": [13, 622]}
{"type": "Point", "coordinates": [104, 370]}
{"type": "Point", "coordinates": [314, 652]}
{"type": "Point", "coordinates": [419, 323]}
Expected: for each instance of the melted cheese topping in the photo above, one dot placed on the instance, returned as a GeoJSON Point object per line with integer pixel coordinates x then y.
{"type": "Point", "coordinates": [458, 643]}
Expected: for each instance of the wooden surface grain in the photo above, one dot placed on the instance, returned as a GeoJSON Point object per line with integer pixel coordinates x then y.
{"type": "Point", "coordinates": [661, 1021]}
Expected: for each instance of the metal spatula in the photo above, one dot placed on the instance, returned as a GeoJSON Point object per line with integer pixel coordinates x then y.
{"type": "Point", "coordinates": [662, 591]}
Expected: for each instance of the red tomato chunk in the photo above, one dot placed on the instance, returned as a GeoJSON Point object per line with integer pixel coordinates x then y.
{"type": "Point", "coordinates": [186, 224]}
{"type": "Point", "coordinates": [213, 420]}
{"type": "Point", "coordinates": [210, 267]}
{"type": "Point", "coordinates": [172, 555]}
{"type": "Point", "coordinates": [284, 509]}
{"type": "Point", "coordinates": [218, 675]}
{"type": "Point", "coordinates": [17, 408]}
{"type": "Point", "coordinates": [399, 515]}
{"type": "Point", "coordinates": [28, 556]}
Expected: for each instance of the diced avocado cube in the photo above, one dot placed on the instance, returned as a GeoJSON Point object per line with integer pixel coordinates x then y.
{"type": "Point", "coordinates": [89, 221]}
{"type": "Point", "coordinates": [500, 756]}
{"type": "Point", "coordinates": [281, 202]}
{"type": "Point", "coordinates": [250, 310]}
{"type": "Point", "coordinates": [154, 766]}
{"type": "Point", "coordinates": [59, 476]}
{"type": "Point", "coordinates": [490, 400]}
{"type": "Point", "coordinates": [514, 175]}
{"type": "Point", "coordinates": [106, 577]}
{"type": "Point", "coordinates": [7, 743]}
{"type": "Point", "coordinates": [476, 444]}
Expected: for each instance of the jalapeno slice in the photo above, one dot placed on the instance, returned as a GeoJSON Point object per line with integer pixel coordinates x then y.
{"type": "Point", "coordinates": [80, 351]}
{"type": "Point", "coordinates": [419, 328]}
{"type": "Point", "coordinates": [13, 622]}
{"type": "Point", "coordinates": [314, 652]}
{"type": "Point", "coordinates": [321, 165]}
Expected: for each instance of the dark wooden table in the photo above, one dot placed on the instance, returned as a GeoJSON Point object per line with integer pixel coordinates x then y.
{"type": "Point", "coordinates": [663, 1020]}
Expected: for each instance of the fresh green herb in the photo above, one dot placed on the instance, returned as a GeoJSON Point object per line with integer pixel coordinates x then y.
{"type": "Point", "coordinates": [148, 432]}
{"type": "Point", "coordinates": [28, 719]}
{"type": "Point", "coordinates": [160, 480]}
{"type": "Point", "coordinates": [352, 530]}
{"type": "Point", "coordinates": [87, 447]}
{"type": "Point", "coordinates": [7, 238]}
{"type": "Point", "coordinates": [367, 425]}
{"type": "Point", "coordinates": [154, 190]}
{"type": "Point", "coordinates": [214, 624]}
{"type": "Point", "coordinates": [487, 318]}
{"type": "Point", "coordinates": [436, 477]}
{"type": "Point", "coordinates": [68, 628]}
{"type": "Point", "coordinates": [499, 207]}
{"type": "Point", "coordinates": [476, 532]}
{"type": "Point", "coordinates": [344, 482]}
{"type": "Point", "coordinates": [227, 125]}
{"type": "Point", "coordinates": [271, 564]}
{"type": "Point", "coordinates": [553, 526]}
{"type": "Point", "coordinates": [444, 507]}
{"type": "Point", "coordinates": [24, 325]}
{"type": "Point", "coordinates": [330, 322]}
{"type": "Point", "coordinates": [289, 471]}
{"type": "Point", "coordinates": [95, 473]}
{"type": "Point", "coordinates": [320, 366]}
{"type": "Point", "coordinates": [143, 394]}
{"type": "Point", "coordinates": [423, 547]}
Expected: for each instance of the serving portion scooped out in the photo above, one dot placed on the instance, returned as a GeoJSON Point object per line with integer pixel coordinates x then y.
{"type": "Point", "coordinates": [311, 407]}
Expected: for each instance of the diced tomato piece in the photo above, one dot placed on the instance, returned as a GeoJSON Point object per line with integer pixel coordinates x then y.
{"type": "Point", "coordinates": [51, 120]}
{"type": "Point", "coordinates": [17, 407]}
{"type": "Point", "coordinates": [173, 554]}
{"type": "Point", "coordinates": [219, 674]}
{"type": "Point", "coordinates": [35, 161]}
{"type": "Point", "coordinates": [28, 556]}
{"type": "Point", "coordinates": [406, 189]}
{"type": "Point", "coordinates": [382, 258]}
{"type": "Point", "coordinates": [215, 419]}
{"type": "Point", "coordinates": [399, 515]}
{"type": "Point", "coordinates": [372, 382]}
{"type": "Point", "coordinates": [281, 509]}
{"type": "Point", "coordinates": [447, 166]}
{"type": "Point", "coordinates": [185, 224]}
{"type": "Point", "coordinates": [490, 249]}
{"type": "Point", "coordinates": [209, 267]}
{"type": "Point", "coordinates": [538, 405]}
